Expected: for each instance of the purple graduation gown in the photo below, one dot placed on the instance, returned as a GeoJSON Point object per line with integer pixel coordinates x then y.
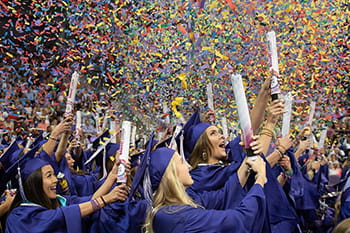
{"type": "Point", "coordinates": [247, 217]}
{"type": "Point", "coordinates": [33, 218]}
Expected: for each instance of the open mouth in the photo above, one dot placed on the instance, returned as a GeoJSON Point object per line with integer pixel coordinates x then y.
{"type": "Point", "coordinates": [53, 188]}
{"type": "Point", "coordinates": [222, 145]}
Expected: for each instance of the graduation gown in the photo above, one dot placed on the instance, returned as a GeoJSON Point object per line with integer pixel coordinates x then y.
{"type": "Point", "coordinates": [280, 215]}
{"type": "Point", "coordinates": [32, 218]}
{"type": "Point", "coordinates": [247, 217]}
{"type": "Point", "coordinates": [128, 216]}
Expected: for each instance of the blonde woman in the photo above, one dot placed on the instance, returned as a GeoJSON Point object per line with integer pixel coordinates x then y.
{"type": "Point", "coordinates": [174, 211]}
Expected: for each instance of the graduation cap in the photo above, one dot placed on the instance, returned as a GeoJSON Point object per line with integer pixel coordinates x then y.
{"type": "Point", "coordinates": [151, 170]}
{"type": "Point", "coordinates": [102, 154]}
{"type": "Point", "coordinates": [10, 155]}
{"type": "Point", "coordinates": [23, 166]}
{"type": "Point", "coordinates": [39, 140]}
{"type": "Point", "coordinates": [191, 132]}
{"type": "Point", "coordinates": [135, 159]}
{"type": "Point", "coordinates": [97, 141]}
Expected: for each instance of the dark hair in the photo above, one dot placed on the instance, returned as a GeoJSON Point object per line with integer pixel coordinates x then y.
{"type": "Point", "coordinates": [203, 144]}
{"type": "Point", "coordinates": [33, 194]}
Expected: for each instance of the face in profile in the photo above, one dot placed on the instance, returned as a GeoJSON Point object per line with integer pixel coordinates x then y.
{"type": "Point", "coordinates": [49, 181]}
{"type": "Point", "coordinates": [70, 160]}
{"type": "Point", "coordinates": [183, 170]}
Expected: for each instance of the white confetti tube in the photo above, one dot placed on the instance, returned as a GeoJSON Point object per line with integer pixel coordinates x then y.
{"type": "Point", "coordinates": [273, 58]}
{"type": "Point", "coordinates": [322, 137]}
{"type": "Point", "coordinates": [124, 148]}
{"type": "Point", "coordinates": [312, 112]}
{"type": "Point", "coordinates": [71, 93]}
{"type": "Point", "coordinates": [165, 111]}
{"type": "Point", "coordinates": [242, 106]}
{"type": "Point", "coordinates": [224, 127]}
{"type": "Point", "coordinates": [288, 99]}
{"type": "Point", "coordinates": [210, 96]}
{"type": "Point", "coordinates": [210, 100]}
{"type": "Point", "coordinates": [133, 137]}
{"type": "Point", "coordinates": [113, 128]}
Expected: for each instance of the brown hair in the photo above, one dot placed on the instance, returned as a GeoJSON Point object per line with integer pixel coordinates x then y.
{"type": "Point", "coordinates": [33, 194]}
{"type": "Point", "coordinates": [203, 145]}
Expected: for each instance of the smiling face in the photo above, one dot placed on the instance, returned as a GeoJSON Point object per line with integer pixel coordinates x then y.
{"type": "Point", "coordinates": [217, 142]}
{"type": "Point", "coordinates": [49, 181]}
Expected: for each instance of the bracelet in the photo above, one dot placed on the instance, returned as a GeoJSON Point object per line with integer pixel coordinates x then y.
{"type": "Point", "coordinates": [266, 133]}
{"type": "Point", "coordinates": [53, 138]}
{"type": "Point", "coordinates": [285, 175]}
{"type": "Point", "coordinates": [269, 130]}
{"type": "Point", "coordinates": [289, 173]}
{"type": "Point", "coordinates": [95, 204]}
{"type": "Point", "coordinates": [283, 147]}
{"type": "Point", "coordinates": [103, 200]}
{"type": "Point", "coordinates": [279, 152]}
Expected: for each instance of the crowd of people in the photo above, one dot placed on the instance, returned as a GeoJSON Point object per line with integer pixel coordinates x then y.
{"type": "Point", "coordinates": [56, 177]}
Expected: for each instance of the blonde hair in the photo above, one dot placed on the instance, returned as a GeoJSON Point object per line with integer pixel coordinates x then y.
{"type": "Point", "coordinates": [170, 192]}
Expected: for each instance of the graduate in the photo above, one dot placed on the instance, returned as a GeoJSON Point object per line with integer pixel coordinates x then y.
{"type": "Point", "coordinates": [167, 177]}
{"type": "Point", "coordinates": [47, 211]}
{"type": "Point", "coordinates": [206, 147]}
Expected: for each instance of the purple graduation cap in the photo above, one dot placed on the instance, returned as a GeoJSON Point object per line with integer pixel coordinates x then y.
{"type": "Point", "coordinates": [10, 155]}
{"type": "Point", "coordinates": [151, 169]}
{"type": "Point", "coordinates": [39, 140]}
{"type": "Point", "coordinates": [96, 141]}
{"type": "Point", "coordinates": [24, 166]}
{"type": "Point", "coordinates": [191, 131]}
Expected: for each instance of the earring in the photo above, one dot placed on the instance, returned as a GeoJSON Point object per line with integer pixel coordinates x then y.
{"type": "Point", "coordinates": [204, 156]}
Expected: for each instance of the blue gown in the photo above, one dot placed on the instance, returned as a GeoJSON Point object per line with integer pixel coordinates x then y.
{"type": "Point", "coordinates": [247, 217]}
{"type": "Point", "coordinates": [128, 216]}
{"type": "Point", "coordinates": [212, 177]}
{"type": "Point", "coordinates": [33, 218]}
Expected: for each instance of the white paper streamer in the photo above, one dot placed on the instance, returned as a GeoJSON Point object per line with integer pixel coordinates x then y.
{"type": "Point", "coordinates": [165, 111]}
{"type": "Point", "coordinates": [224, 127]}
{"type": "Point", "coordinates": [242, 106]}
{"type": "Point", "coordinates": [273, 58]}
{"type": "Point", "coordinates": [322, 137]}
{"type": "Point", "coordinates": [312, 112]}
{"type": "Point", "coordinates": [71, 93]}
{"type": "Point", "coordinates": [113, 129]}
{"type": "Point", "coordinates": [210, 96]}
{"type": "Point", "coordinates": [133, 137]}
{"type": "Point", "coordinates": [288, 99]}
{"type": "Point", "coordinates": [124, 148]}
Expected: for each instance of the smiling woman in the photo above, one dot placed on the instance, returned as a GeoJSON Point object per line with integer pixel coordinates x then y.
{"type": "Point", "coordinates": [48, 211]}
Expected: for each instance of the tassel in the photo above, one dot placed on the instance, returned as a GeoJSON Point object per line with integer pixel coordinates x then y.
{"type": "Point", "coordinates": [104, 164]}
{"type": "Point", "coordinates": [182, 146]}
{"type": "Point", "coordinates": [147, 188]}
{"type": "Point", "coordinates": [21, 189]}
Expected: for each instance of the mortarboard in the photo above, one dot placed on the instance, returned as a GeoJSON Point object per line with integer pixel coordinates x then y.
{"type": "Point", "coordinates": [151, 170]}
{"type": "Point", "coordinates": [10, 155]}
{"type": "Point", "coordinates": [27, 164]}
{"type": "Point", "coordinates": [192, 130]}
{"type": "Point", "coordinates": [39, 140]}
{"type": "Point", "coordinates": [97, 141]}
